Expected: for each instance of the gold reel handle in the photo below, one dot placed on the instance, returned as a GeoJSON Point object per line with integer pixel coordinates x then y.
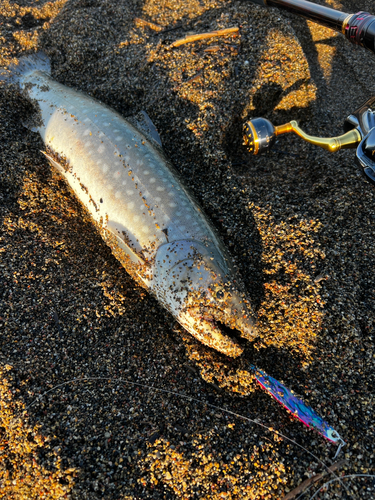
{"type": "Point", "coordinates": [260, 135]}
{"type": "Point", "coordinates": [332, 144]}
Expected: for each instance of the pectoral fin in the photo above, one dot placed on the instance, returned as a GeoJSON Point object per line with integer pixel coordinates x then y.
{"type": "Point", "coordinates": [54, 163]}
{"type": "Point", "coordinates": [125, 247]}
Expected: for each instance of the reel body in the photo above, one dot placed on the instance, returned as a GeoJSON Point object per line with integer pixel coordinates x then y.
{"type": "Point", "coordinates": [363, 119]}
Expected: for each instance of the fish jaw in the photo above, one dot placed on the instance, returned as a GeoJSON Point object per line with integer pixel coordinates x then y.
{"type": "Point", "coordinates": [216, 316]}
{"type": "Point", "coordinates": [193, 281]}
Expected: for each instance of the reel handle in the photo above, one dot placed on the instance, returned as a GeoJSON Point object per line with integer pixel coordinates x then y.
{"type": "Point", "coordinates": [260, 135]}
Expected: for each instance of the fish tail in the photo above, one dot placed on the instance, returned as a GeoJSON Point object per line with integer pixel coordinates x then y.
{"type": "Point", "coordinates": [24, 66]}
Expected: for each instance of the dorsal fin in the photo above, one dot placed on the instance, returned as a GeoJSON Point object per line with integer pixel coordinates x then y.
{"type": "Point", "coordinates": [144, 123]}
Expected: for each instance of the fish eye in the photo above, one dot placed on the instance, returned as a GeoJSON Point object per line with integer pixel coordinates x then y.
{"type": "Point", "coordinates": [220, 294]}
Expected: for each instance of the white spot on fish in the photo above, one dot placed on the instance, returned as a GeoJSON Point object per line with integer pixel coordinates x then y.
{"type": "Point", "coordinates": [101, 149]}
{"type": "Point", "coordinates": [102, 134]}
{"type": "Point", "coordinates": [106, 124]}
{"type": "Point", "coordinates": [118, 194]}
{"type": "Point", "coordinates": [129, 192]}
{"type": "Point", "coordinates": [88, 144]}
{"type": "Point", "coordinates": [116, 175]}
{"type": "Point", "coordinates": [152, 180]}
{"type": "Point", "coordinates": [130, 205]}
{"type": "Point", "coordinates": [160, 188]}
{"type": "Point", "coordinates": [105, 168]}
{"type": "Point", "coordinates": [117, 130]}
{"type": "Point", "coordinates": [172, 205]}
{"type": "Point", "coordinates": [86, 132]}
{"type": "Point", "coordinates": [87, 120]}
{"type": "Point", "coordinates": [124, 183]}
{"type": "Point", "coordinates": [158, 198]}
{"type": "Point", "coordinates": [146, 172]}
{"type": "Point", "coordinates": [118, 138]}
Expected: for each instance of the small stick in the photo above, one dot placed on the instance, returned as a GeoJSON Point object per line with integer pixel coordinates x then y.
{"type": "Point", "coordinates": [198, 76]}
{"type": "Point", "coordinates": [141, 22]}
{"type": "Point", "coordinates": [311, 480]}
{"type": "Point", "coordinates": [214, 48]}
{"type": "Point", "coordinates": [202, 36]}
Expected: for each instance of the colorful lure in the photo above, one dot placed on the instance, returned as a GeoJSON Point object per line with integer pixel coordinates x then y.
{"type": "Point", "coordinates": [296, 406]}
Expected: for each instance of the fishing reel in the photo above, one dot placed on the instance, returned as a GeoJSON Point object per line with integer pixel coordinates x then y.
{"type": "Point", "coordinates": [260, 135]}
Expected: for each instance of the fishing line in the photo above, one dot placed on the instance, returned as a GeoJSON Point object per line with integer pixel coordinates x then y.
{"type": "Point", "coordinates": [334, 480]}
{"type": "Point", "coordinates": [166, 391]}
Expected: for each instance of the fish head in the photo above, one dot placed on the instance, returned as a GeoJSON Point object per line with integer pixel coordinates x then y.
{"type": "Point", "coordinates": [196, 284]}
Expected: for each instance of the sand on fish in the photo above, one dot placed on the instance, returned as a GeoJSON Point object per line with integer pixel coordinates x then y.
{"type": "Point", "coordinates": [75, 328]}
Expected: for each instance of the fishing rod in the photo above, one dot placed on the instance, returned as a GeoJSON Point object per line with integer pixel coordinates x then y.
{"type": "Point", "coordinates": [358, 28]}
{"type": "Point", "coordinates": [260, 134]}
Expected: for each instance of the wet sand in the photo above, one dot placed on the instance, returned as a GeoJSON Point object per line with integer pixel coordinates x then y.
{"type": "Point", "coordinates": [298, 222]}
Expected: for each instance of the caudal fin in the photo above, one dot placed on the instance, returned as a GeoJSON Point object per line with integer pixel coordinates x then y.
{"type": "Point", "coordinates": [25, 65]}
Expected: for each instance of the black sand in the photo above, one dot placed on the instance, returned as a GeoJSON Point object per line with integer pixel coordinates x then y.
{"type": "Point", "coordinates": [298, 222]}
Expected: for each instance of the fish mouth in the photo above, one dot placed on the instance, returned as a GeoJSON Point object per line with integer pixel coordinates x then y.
{"type": "Point", "coordinates": [218, 330]}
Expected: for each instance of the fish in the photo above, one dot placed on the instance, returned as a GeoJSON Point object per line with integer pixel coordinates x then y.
{"type": "Point", "coordinates": [137, 201]}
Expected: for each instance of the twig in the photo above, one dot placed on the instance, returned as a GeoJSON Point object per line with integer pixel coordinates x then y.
{"type": "Point", "coordinates": [167, 30]}
{"type": "Point", "coordinates": [342, 477]}
{"type": "Point", "coordinates": [213, 48]}
{"type": "Point", "coordinates": [141, 22]}
{"type": "Point", "coordinates": [196, 77]}
{"type": "Point", "coordinates": [202, 36]}
{"type": "Point", "coordinates": [311, 480]}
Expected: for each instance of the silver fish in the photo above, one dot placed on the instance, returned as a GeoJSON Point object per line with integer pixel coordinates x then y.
{"type": "Point", "coordinates": [154, 227]}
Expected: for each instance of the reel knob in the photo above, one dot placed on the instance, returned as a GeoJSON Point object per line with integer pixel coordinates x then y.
{"type": "Point", "coordinates": [259, 135]}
